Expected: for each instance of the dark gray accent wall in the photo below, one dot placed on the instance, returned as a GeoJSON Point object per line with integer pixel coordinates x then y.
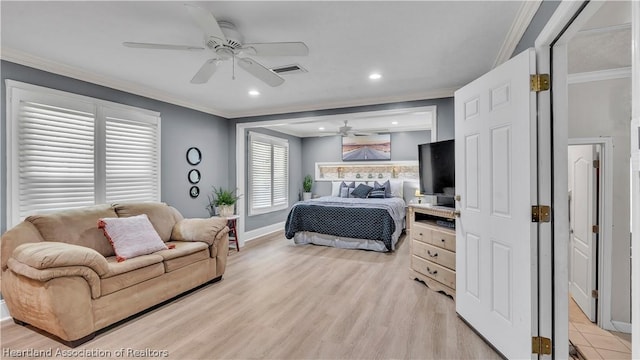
{"type": "Point", "coordinates": [404, 146]}
{"type": "Point", "coordinates": [181, 128]}
{"type": "Point", "coordinates": [540, 19]}
{"type": "Point", "coordinates": [295, 180]}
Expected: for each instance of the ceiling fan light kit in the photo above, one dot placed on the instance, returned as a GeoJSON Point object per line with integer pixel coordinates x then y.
{"type": "Point", "coordinates": [227, 43]}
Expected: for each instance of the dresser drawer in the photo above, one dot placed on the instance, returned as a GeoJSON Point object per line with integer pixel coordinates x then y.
{"type": "Point", "coordinates": [435, 254]}
{"type": "Point", "coordinates": [443, 239]}
{"type": "Point", "coordinates": [421, 232]}
{"type": "Point", "coordinates": [434, 271]}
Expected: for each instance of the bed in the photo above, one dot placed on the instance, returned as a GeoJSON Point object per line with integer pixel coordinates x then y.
{"type": "Point", "coordinates": [347, 222]}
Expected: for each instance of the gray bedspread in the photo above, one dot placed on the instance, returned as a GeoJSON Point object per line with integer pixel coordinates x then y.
{"type": "Point", "coordinates": [371, 219]}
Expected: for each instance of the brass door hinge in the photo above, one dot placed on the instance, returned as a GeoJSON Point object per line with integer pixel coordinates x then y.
{"type": "Point", "coordinates": [595, 229]}
{"type": "Point", "coordinates": [540, 82]}
{"type": "Point", "coordinates": [540, 213]}
{"type": "Point", "coordinates": [594, 294]}
{"type": "Point", "coordinates": [541, 345]}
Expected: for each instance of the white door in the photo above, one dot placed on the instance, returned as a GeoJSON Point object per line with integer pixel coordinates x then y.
{"type": "Point", "coordinates": [496, 178]}
{"type": "Point", "coordinates": [583, 200]}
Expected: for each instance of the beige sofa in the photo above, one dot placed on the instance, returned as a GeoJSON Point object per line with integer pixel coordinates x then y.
{"type": "Point", "coordinates": [59, 272]}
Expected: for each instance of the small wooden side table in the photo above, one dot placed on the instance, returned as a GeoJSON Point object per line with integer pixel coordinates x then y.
{"type": "Point", "coordinates": [232, 223]}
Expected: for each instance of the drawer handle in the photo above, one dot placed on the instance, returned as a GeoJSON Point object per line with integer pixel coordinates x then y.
{"type": "Point", "coordinates": [443, 240]}
{"type": "Point", "coordinates": [432, 255]}
{"type": "Point", "coordinates": [434, 272]}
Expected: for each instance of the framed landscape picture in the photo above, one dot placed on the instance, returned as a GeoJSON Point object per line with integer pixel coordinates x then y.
{"type": "Point", "coordinates": [372, 147]}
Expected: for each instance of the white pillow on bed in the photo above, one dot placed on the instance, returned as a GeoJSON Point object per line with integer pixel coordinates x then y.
{"type": "Point", "coordinates": [335, 188]}
{"type": "Point", "coordinates": [397, 188]}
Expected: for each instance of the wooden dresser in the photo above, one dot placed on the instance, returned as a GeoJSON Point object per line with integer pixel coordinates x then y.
{"type": "Point", "coordinates": [433, 247]}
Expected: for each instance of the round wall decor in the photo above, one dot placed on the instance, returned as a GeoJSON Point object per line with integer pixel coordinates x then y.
{"type": "Point", "coordinates": [194, 156]}
{"type": "Point", "coordinates": [194, 176]}
{"type": "Point", "coordinates": [194, 191]}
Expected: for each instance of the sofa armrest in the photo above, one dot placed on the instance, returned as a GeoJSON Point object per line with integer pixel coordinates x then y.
{"type": "Point", "coordinates": [49, 255]}
{"type": "Point", "coordinates": [205, 230]}
{"type": "Point", "coordinates": [44, 275]}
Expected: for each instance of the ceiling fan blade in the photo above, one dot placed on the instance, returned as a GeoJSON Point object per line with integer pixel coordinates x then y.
{"type": "Point", "coordinates": [256, 69]}
{"type": "Point", "coordinates": [161, 46]}
{"type": "Point", "coordinates": [279, 49]}
{"type": "Point", "coordinates": [206, 21]}
{"type": "Point", "coordinates": [206, 71]}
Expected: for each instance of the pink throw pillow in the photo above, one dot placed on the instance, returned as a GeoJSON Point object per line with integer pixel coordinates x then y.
{"type": "Point", "coordinates": [131, 236]}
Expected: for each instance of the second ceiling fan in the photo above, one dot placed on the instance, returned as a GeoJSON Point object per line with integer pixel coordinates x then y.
{"type": "Point", "coordinates": [227, 43]}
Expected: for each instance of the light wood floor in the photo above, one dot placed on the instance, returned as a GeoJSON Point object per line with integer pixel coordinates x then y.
{"type": "Point", "coordinates": [283, 301]}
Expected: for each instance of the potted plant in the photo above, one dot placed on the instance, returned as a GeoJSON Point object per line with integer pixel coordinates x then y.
{"type": "Point", "coordinates": [222, 199]}
{"type": "Point", "coordinates": [306, 186]}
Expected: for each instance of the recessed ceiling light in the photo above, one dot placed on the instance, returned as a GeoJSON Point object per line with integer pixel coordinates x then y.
{"type": "Point", "coordinates": [320, 128]}
{"type": "Point", "coordinates": [394, 123]}
{"type": "Point", "coordinates": [254, 92]}
{"type": "Point", "coordinates": [375, 76]}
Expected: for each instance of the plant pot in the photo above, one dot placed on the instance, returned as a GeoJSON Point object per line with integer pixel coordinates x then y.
{"type": "Point", "coordinates": [306, 196]}
{"type": "Point", "coordinates": [226, 210]}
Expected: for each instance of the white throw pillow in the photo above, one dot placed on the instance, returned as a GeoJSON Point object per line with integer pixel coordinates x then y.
{"type": "Point", "coordinates": [131, 236]}
{"type": "Point", "coordinates": [335, 188]}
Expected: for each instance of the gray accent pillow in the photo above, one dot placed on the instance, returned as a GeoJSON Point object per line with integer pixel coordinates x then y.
{"type": "Point", "coordinates": [361, 191]}
{"type": "Point", "coordinates": [348, 187]}
{"type": "Point", "coordinates": [386, 186]}
{"type": "Point", "coordinates": [377, 193]}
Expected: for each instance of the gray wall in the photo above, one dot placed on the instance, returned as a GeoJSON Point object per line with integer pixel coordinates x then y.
{"type": "Point", "coordinates": [540, 19]}
{"type": "Point", "coordinates": [404, 146]}
{"type": "Point", "coordinates": [181, 129]}
{"type": "Point", "coordinates": [295, 181]}
{"type": "Point", "coordinates": [609, 116]}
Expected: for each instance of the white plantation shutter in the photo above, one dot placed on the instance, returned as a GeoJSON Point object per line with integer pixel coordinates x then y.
{"type": "Point", "coordinates": [67, 151]}
{"type": "Point", "coordinates": [268, 173]}
{"type": "Point", "coordinates": [55, 155]}
{"type": "Point", "coordinates": [132, 158]}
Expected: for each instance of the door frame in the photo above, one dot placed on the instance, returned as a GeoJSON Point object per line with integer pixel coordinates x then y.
{"type": "Point", "coordinates": [605, 221]}
{"type": "Point", "coordinates": [551, 48]}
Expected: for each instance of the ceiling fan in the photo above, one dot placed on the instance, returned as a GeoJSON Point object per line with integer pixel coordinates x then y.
{"type": "Point", "coordinates": [227, 43]}
{"type": "Point", "coordinates": [347, 130]}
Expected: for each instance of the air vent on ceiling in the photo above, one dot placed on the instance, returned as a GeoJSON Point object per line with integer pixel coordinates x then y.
{"type": "Point", "coordinates": [289, 69]}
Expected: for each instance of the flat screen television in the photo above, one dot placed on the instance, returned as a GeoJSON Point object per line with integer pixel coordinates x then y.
{"type": "Point", "coordinates": [438, 171]}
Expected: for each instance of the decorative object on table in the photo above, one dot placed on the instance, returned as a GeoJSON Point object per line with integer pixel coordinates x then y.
{"type": "Point", "coordinates": [372, 147]}
{"type": "Point", "coordinates": [358, 176]}
{"type": "Point", "coordinates": [194, 176]}
{"type": "Point", "coordinates": [380, 176]}
{"type": "Point", "coordinates": [307, 183]}
{"type": "Point", "coordinates": [222, 199]}
{"type": "Point", "coordinates": [370, 176]}
{"type": "Point", "coordinates": [194, 157]}
{"type": "Point", "coordinates": [194, 192]}
{"type": "Point", "coordinates": [340, 172]}
{"type": "Point", "coordinates": [419, 196]}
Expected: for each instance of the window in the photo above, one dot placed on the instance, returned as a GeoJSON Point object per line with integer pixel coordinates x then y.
{"type": "Point", "coordinates": [67, 151]}
{"type": "Point", "coordinates": [268, 173]}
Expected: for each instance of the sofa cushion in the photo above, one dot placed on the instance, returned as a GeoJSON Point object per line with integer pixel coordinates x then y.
{"type": "Point", "coordinates": [162, 216]}
{"type": "Point", "coordinates": [132, 236]}
{"type": "Point", "coordinates": [114, 267]}
{"type": "Point", "coordinates": [184, 253]}
{"type": "Point", "coordinates": [76, 227]}
{"type": "Point", "coordinates": [124, 279]}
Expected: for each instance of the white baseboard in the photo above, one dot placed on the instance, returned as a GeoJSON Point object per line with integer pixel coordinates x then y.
{"type": "Point", "coordinates": [254, 234]}
{"type": "Point", "coordinates": [4, 312]}
{"type": "Point", "coordinates": [620, 326]}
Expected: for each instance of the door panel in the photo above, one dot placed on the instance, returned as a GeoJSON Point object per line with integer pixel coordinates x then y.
{"type": "Point", "coordinates": [582, 216]}
{"type": "Point", "coordinates": [496, 178]}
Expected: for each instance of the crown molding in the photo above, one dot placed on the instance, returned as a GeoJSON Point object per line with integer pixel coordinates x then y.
{"type": "Point", "coordinates": [523, 18]}
{"type": "Point", "coordinates": [58, 68]}
{"type": "Point", "coordinates": [609, 74]}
